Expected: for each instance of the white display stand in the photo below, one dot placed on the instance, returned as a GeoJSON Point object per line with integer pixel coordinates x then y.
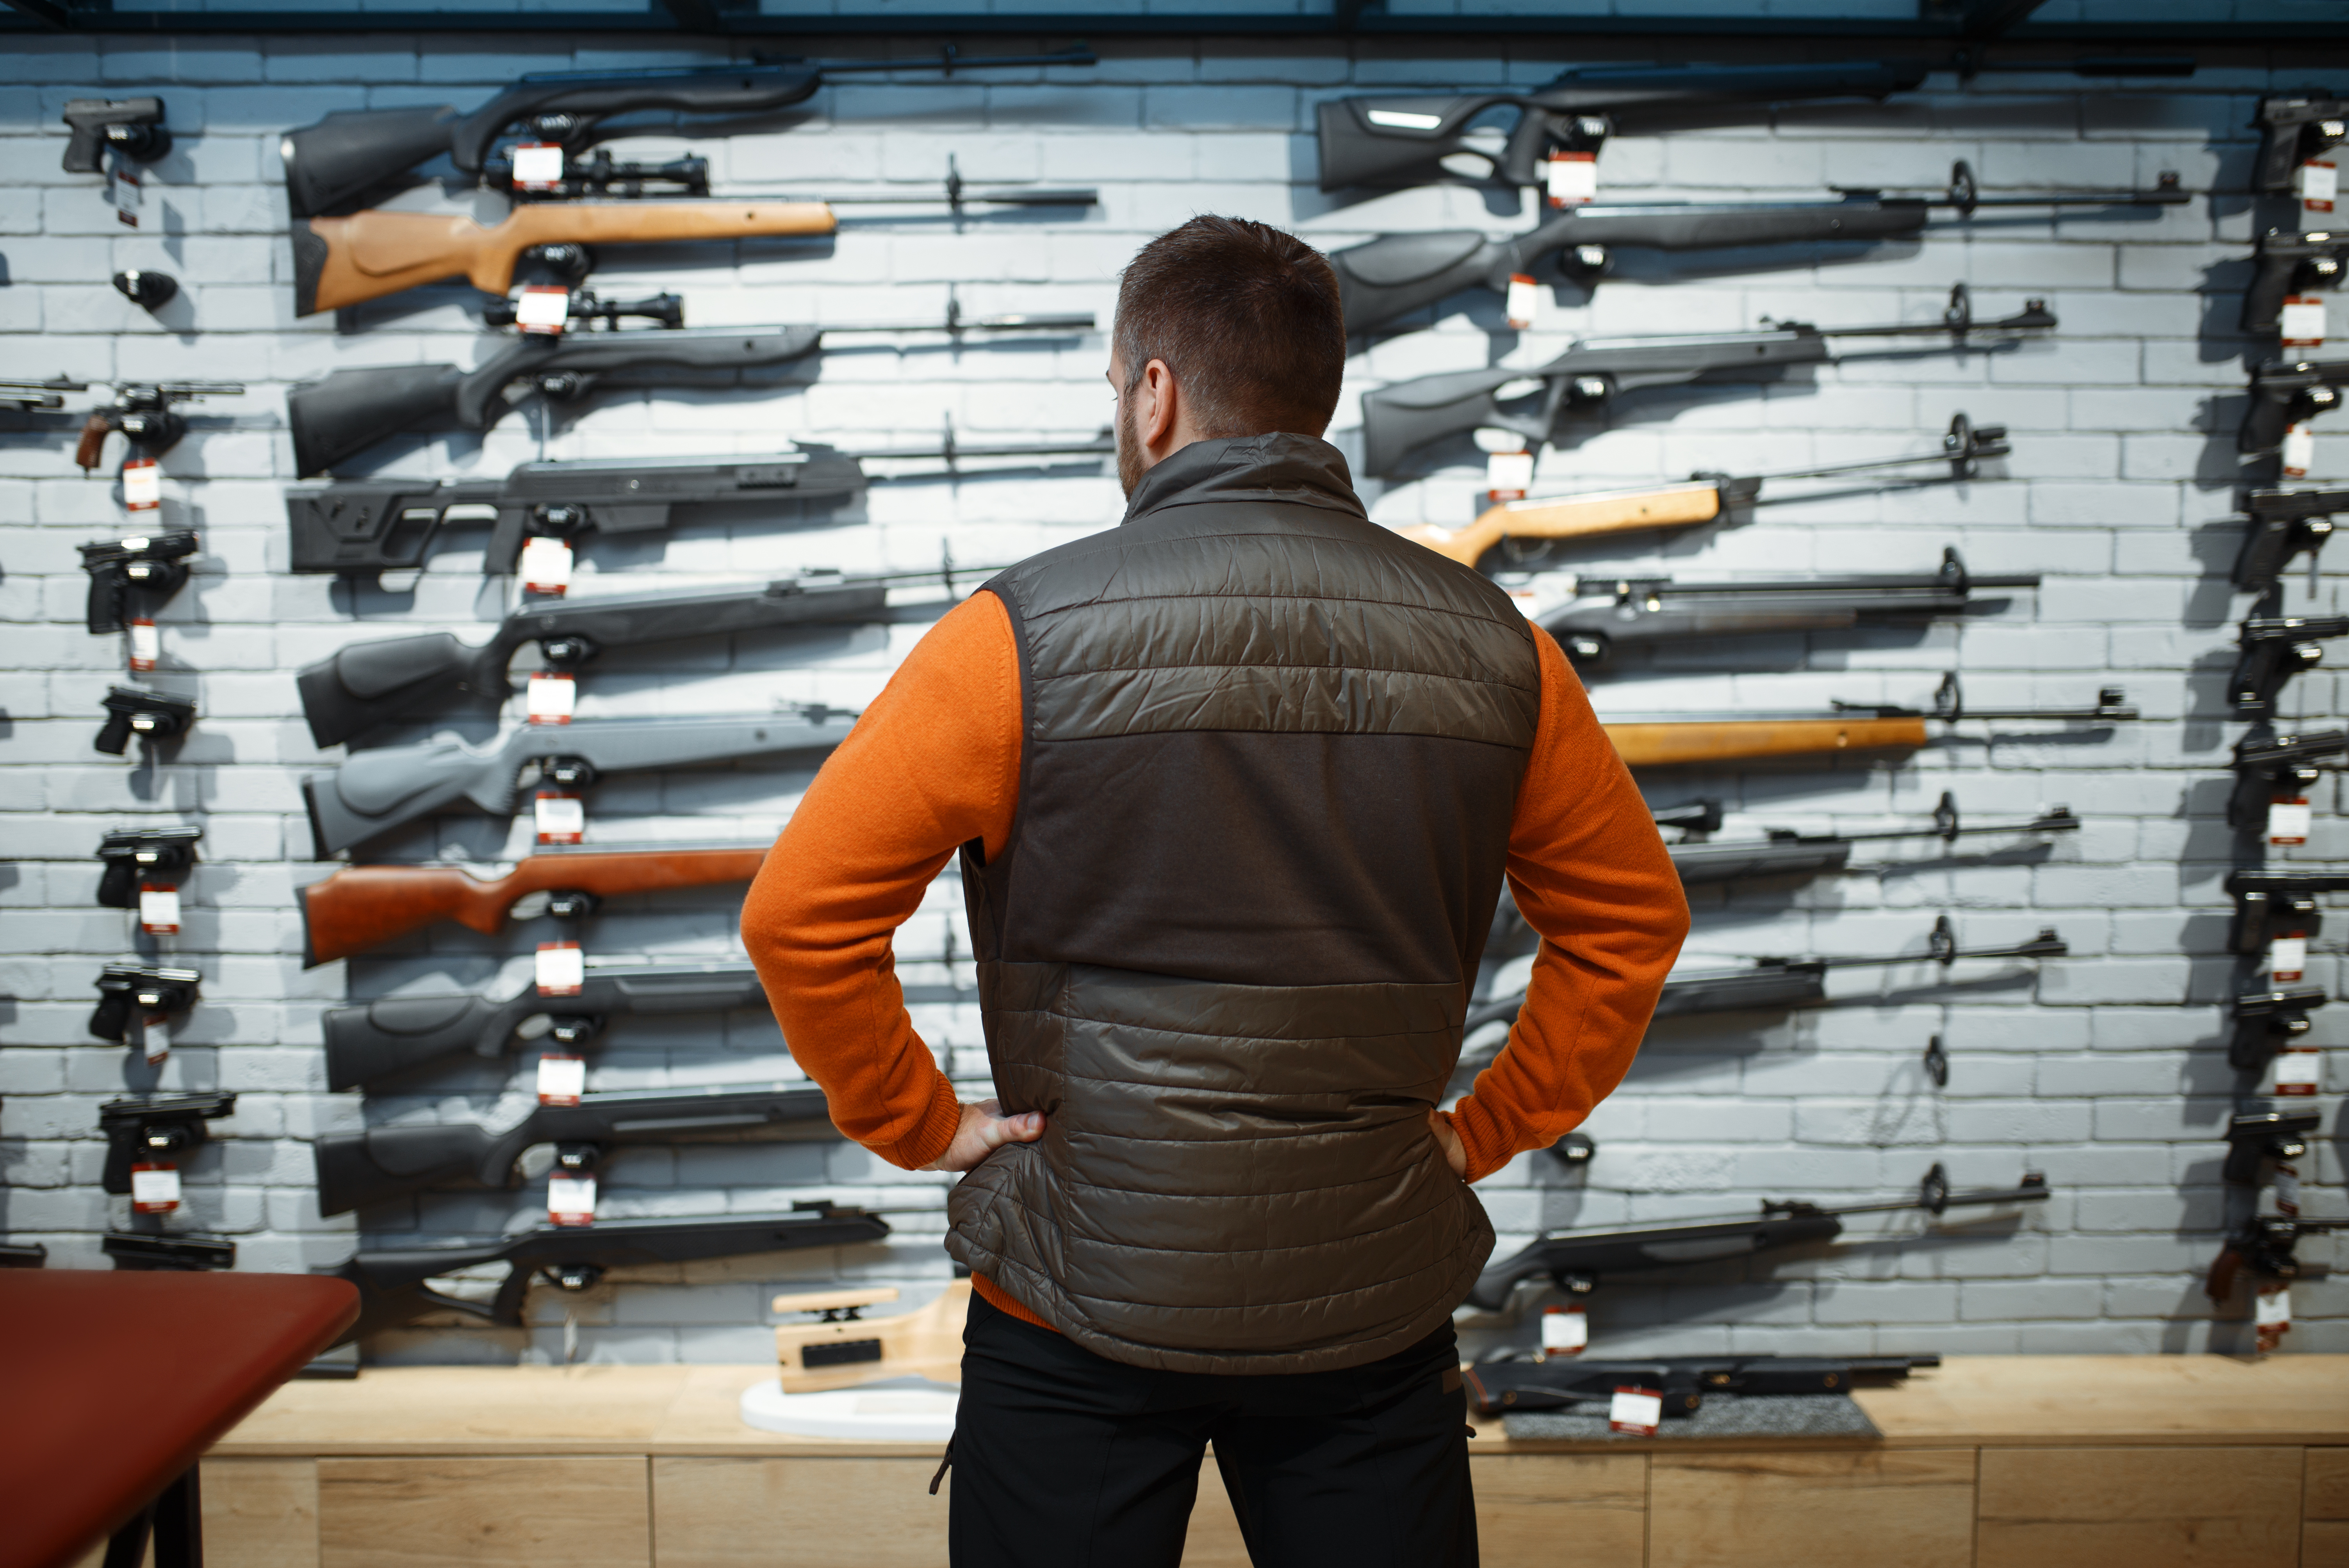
{"type": "Point", "coordinates": [906, 1410]}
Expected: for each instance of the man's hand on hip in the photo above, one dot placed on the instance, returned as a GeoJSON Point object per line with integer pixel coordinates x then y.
{"type": "Point", "coordinates": [985, 1128]}
{"type": "Point", "coordinates": [1456, 1153]}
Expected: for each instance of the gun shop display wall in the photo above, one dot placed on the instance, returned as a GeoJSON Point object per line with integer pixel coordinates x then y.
{"type": "Point", "coordinates": [446, 518]}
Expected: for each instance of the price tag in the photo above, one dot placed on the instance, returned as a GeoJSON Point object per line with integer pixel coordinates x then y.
{"type": "Point", "coordinates": [2286, 957]}
{"type": "Point", "coordinates": [143, 484]}
{"type": "Point", "coordinates": [2290, 818]}
{"type": "Point", "coordinates": [537, 165]}
{"type": "Point", "coordinates": [146, 644]}
{"type": "Point", "coordinates": [562, 969]}
{"type": "Point", "coordinates": [1573, 178]}
{"type": "Point", "coordinates": [2286, 1190]}
{"type": "Point", "coordinates": [2299, 450]}
{"type": "Point", "coordinates": [571, 1200]}
{"type": "Point", "coordinates": [159, 909]}
{"type": "Point", "coordinates": [1635, 1410]}
{"type": "Point", "coordinates": [546, 564]}
{"type": "Point", "coordinates": [154, 1189]}
{"type": "Point", "coordinates": [2319, 184]}
{"type": "Point", "coordinates": [2303, 321]}
{"type": "Point", "coordinates": [2275, 1309]}
{"type": "Point", "coordinates": [551, 696]}
{"type": "Point", "coordinates": [122, 190]}
{"type": "Point", "coordinates": [1508, 475]}
{"type": "Point", "coordinates": [1525, 300]}
{"type": "Point", "coordinates": [2299, 1071]}
{"type": "Point", "coordinates": [562, 1080]}
{"type": "Point", "coordinates": [544, 309]}
{"type": "Point", "coordinates": [155, 1038]}
{"type": "Point", "coordinates": [562, 818]}
{"type": "Point", "coordinates": [1565, 1331]}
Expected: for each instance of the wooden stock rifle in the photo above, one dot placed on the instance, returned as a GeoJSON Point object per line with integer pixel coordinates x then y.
{"type": "Point", "coordinates": [360, 907]}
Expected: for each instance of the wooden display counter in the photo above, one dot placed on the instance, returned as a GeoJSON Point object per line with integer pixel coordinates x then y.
{"type": "Point", "coordinates": [2000, 1461]}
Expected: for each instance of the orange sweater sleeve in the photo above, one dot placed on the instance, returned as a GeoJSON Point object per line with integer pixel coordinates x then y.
{"type": "Point", "coordinates": [931, 765]}
{"type": "Point", "coordinates": [1592, 877]}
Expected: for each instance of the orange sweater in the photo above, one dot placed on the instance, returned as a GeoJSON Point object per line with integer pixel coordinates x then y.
{"type": "Point", "coordinates": [935, 763]}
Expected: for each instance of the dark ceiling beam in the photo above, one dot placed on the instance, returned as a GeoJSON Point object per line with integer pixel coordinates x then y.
{"type": "Point", "coordinates": [46, 12]}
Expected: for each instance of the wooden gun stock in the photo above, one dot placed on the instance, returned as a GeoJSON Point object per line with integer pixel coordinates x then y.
{"type": "Point", "coordinates": [842, 1352]}
{"type": "Point", "coordinates": [1680, 745]}
{"type": "Point", "coordinates": [360, 907]}
{"type": "Point", "coordinates": [343, 260]}
{"type": "Point", "coordinates": [1572, 517]}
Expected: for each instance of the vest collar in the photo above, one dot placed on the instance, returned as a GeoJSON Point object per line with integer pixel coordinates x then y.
{"type": "Point", "coordinates": [1277, 467]}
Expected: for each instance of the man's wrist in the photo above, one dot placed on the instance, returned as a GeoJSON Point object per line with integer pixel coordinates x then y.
{"type": "Point", "coordinates": [929, 1142]}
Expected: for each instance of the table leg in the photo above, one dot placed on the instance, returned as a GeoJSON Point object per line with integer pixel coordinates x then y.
{"type": "Point", "coordinates": [175, 1518]}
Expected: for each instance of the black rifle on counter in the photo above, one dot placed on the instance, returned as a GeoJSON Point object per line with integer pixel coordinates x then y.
{"type": "Point", "coordinates": [2283, 524]}
{"type": "Point", "coordinates": [365, 685]}
{"type": "Point", "coordinates": [379, 791]}
{"type": "Point", "coordinates": [2282, 765]}
{"type": "Point", "coordinates": [1518, 1387]}
{"type": "Point", "coordinates": [156, 718]}
{"type": "Point", "coordinates": [2283, 393]}
{"type": "Point", "coordinates": [352, 410]}
{"type": "Point", "coordinates": [1576, 1263]}
{"type": "Point", "coordinates": [359, 1169]}
{"type": "Point", "coordinates": [359, 528]}
{"type": "Point", "coordinates": [2289, 264]}
{"type": "Point", "coordinates": [161, 1127]}
{"type": "Point", "coordinates": [2269, 905]}
{"type": "Point", "coordinates": [133, 856]}
{"type": "Point", "coordinates": [130, 579]}
{"type": "Point", "coordinates": [2273, 649]}
{"type": "Point", "coordinates": [1398, 420]}
{"type": "Point", "coordinates": [2255, 1138]}
{"type": "Point", "coordinates": [2267, 1021]}
{"type": "Point", "coordinates": [351, 150]}
{"type": "Point", "coordinates": [2294, 128]}
{"type": "Point", "coordinates": [1381, 281]}
{"type": "Point", "coordinates": [144, 1252]}
{"type": "Point", "coordinates": [393, 1291]}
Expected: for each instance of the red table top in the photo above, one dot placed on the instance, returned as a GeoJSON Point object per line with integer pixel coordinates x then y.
{"type": "Point", "coordinates": [113, 1383]}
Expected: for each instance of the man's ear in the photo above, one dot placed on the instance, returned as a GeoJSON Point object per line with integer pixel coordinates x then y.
{"type": "Point", "coordinates": [1160, 410]}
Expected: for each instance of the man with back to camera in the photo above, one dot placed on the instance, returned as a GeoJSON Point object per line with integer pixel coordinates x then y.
{"type": "Point", "coordinates": [1235, 785]}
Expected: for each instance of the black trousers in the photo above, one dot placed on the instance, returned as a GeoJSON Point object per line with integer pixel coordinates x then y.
{"type": "Point", "coordinates": [1064, 1459]}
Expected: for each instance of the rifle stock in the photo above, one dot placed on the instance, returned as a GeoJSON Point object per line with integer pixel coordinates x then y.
{"type": "Point", "coordinates": [1575, 516]}
{"type": "Point", "coordinates": [360, 907]}
{"type": "Point", "coordinates": [1695, 743]}
{"type": "Point", "coordinates": [342, 262]}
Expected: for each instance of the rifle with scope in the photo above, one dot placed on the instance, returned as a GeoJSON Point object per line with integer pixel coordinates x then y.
{"type": "Point", "coordinates": [2286, 264]}
{"type": "Point", "coordinates": [130, 856]}
{"type": "Point", "coordinates": [2283, 524]}
{"type": "Point", "coordinates": [1704, 499]}
{"type": "Point", "coordinates": [1575, 1263]}
{"type": "Point", "coordinates": [2294, 128]}
{"type": "Point", "coordinates": [1517, 1386]}
{"type": "Point", "coordinates": [2277, 766]}
{"type": "Point", "coordinates": [131, 579]}
{"type": "Point", "coordinates": [1398, 421]}
{"type": "Point", "coordinates": [352, 151]}
{"type": "Point", "coordinates": [2283, 393]}
{"type": "Point", "coordinates": [379, 791]}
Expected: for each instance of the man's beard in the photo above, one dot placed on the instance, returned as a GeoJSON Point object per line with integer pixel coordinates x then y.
{"type": "Point", "coordinates": [1130, 464]}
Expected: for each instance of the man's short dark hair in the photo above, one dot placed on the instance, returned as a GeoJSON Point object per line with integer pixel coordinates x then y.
{"type": "Point", "coordinates": [1246, 316]}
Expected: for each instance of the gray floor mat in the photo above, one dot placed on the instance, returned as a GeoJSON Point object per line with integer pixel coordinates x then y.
{"type": "Point", "coordinates": [1720, 1416]}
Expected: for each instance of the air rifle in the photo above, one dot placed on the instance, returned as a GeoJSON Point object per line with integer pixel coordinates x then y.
{"type": "Point", "coordinates": [2287, 264]}
{"type": "Point", "coordinates": [353, 150]}
{"type": "Point", "coordinates": [2274, 648]}
{"type": "Point", "coordinates": [1705, 496]}
{"type": "Point", "coordinates": [38, 396]}
{"type": "Point", "coordinates": [2294, 128]}
{"type": "Point", "coordinates": [130, 579]}
{"type": "Point", "coordinates": [1381, 281]}
{"type": "Point", "coordinates": [2283, 393]}
{"type": "Point", "coordinates": [161, 1128]}
{"type": "Point", "coordinates": [2265, 1247]}
{"type": "Point", "coordinates": [2266, 1020]}
{"type": "Point", "coordinates": [132, 856]}
{"type": "Point", "coordinates": [1399, 419]}
{"type": "Point", "coordinates": [1785, 853]}
{"type": "Point", "coordinates": [2282, 765]}
{"type": "Point", "coordinates": [368, 684]}
{"type": "Point", "coordinates": [1576, 1263]}
{"type": "Point", "coordinates": [1611, 614]}
{"type": "Point", "coordinates": [358, 528]}
{"type": "Point", "coordinates": [138, 1251]}
{"type": "Point", "coordinates": [360, 907]}
{"type": "Point", "coordinates": [2284, 523]}
{"type": "Point", "coordinates": [393, 1293]}
{"type": "Point", "coordinates": [352, 410]}
{"type": "Point", "coordinates": [359, 1169]}
{"type": "Point", "coordinates": [2272, 903]}
{"type": "Point", "coordinates": [144, 412]}
{"type": "Point", "coordinates": [153, 716]}
{"type": "Point", "coordinates": [2256, 1137]}
{"type": "Point", "coordinates": [130, 995]}
{"type": "Point", "coordinates": [131, 128]}
{"type": "Point", "coordinates": [379, 791]}
{"type": "Point", "coordinates": [1561, 1382]}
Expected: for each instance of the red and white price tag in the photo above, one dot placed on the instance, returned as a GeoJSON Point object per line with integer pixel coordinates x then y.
{"type": "Point", "coordinates": [562, 969]}
{"type": "Point", "coordinates": [2318, 182]}
{"type": "Point", "coordinates": [2290, 818]}
{"type": "Point", "coordinates": [2299, 450]}
{"type": "Point", "coordinates": [143, 484]}
{"type": "Point", "coordinates": [1508, 475]}
{"type": "Point", "coordinates": [2287, 958]}
{"type": "Point", "coordinates": [552, 697]}
{"type": "Point", "coordinates": [2301, 321]}
{"type": "Point", "coordinates": [546, 564]}
{"type": "Point", "coordinates": [2286, 1190]}
{"type": "Point", "coordinates": [562, 1080]}
{"type": "Point", "coordinates": [1573, 178]}
{"type": "Point", "coordinates": [154, 1038]}
{"type": "Point", "coordinates": [570, 1200]}
{"type": "Point", "coordinates": [1565, 1331]}
{"type": "Point", "coordinates": [146, 644]}
{"type": "Point", "coordinates": [537, 165]}
{"type": "Point", "coordinates": [1638, 1411]}
{"type": "Point", "coordinates": [561, 819]}
{"type": "Point", "coordinates": [154, 1189]}
{"type": "Point", "coordinates": [1524, 300]}
{"type": "Point", "coordinates": [159, 909]}
{"type": "Point", "coordinates": [544, 309]}
{"type": "Point", "coordinates": [2274, 1313]}
{"type": "Point", "coordinates": [2300, 1071]}
{"type": "Point", "coordinates": [122, 190]}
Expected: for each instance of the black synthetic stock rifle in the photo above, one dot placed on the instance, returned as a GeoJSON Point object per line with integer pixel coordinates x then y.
{"type": "Point", "coordinates": [379, 791]}
{"type": "Point", "coordinates": [2267, 1021]}
{"type": "Point", "coordinates": [2273, 649]}
{"type": "Point", "coordinates": [2277, 766]}
{"type": "Point", "coordinates": [358, 528]}
{"type": "Point", "coordinates": [141, 1251]}
{"type": "Point", "coordinates": [130, 579]}
{"type": "Point", "coordinates": [1399, 419]}
{"type": "Point", "coordinates": [131, 128]}
{"type": "Point", "coordinates": [2283, 393]}
{"type": "Point", "coordinates": [1576, 1263]}
{"type": "Point", "coordinates": [2266, 1248]}
{"type": "Point", "coordinates": [2256, 1137]}
{"type": "Point", "coordinates": [2293, 128]}
{"type": "Point", "coordinates": [1612, 612]}
{"type": "Point", "coordinates": [2290, 263]}
{"type": "Point", "coordinates": [130, 856]}
{"type": "Point", "coordinates": [2284, 523]}
{"type": "Point", "coordinates": [156, 1127]}
{"type": "Point", "coordinates": [352, 410]}
{"type": "Point", "coordinates": [1381, 281]}
{"type": "Point", "coordinates": [368, 684]}
{"type": "Point", "coordinates": [353, 150]}
{"type": "Point", "coordinates": [392, 1280]}
{"type": "Point", "coordinates": [1501, 1388]}
{"type": "Point", "coordinates": [359, 1169]}
{"type": "Point", "coordinates": [2272, 904]}
{"type": "Point", "coordinates": [1785, 853]}
{"type": "Point", "coordinates": [129, 994]}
